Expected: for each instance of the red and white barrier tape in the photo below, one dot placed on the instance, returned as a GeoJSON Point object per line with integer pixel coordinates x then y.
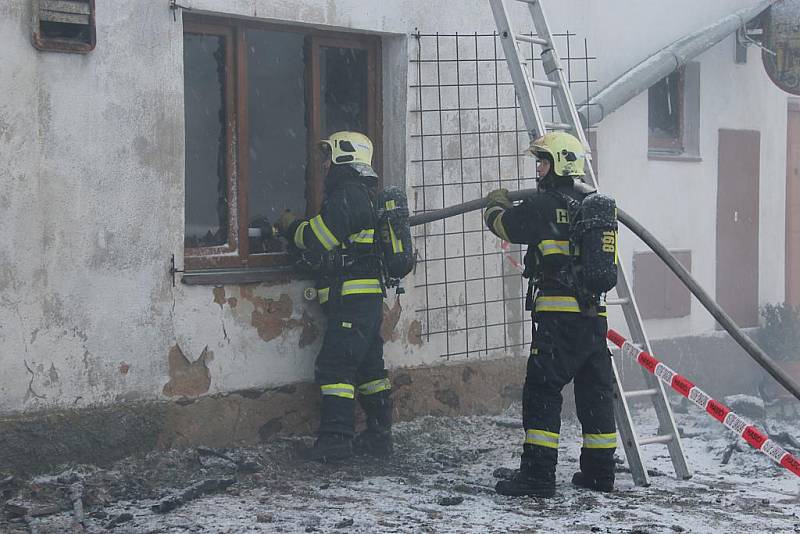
{"type": "Point", "coordinates": [718, 411]}
{"type": "Point", "coordinates": [506, 247]}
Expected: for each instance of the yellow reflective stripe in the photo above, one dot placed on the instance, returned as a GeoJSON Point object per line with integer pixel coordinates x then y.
{"type": "Point", "coordinates": [375, 386]}
{"type": "Point", "coordinates": [390, 204]}
{"type": "Point", "coordinates": [323, 294]}
{"type": "Point", "coordinates": [542, 438]}
{"type": "Point", "coordinates": [497, 225]}
{"type": "Point", "coordinates": [488, 213]}
{"type": "Point", "coordinates": [600, 441]}
{"type": "Point", "coordinates": [552, 246]}
{"type": "Point", "coordinates": [345, 324]}
{"type": "Point", "coordinates": [323, 233]}
{"type": "Point", "coordinates": [298, 235]}
{"type": "Point", "coordinates": [364, 236]}
{"type": "Point", "coordinates": [491, 210]}
{"type": "Point", "coordinates": [556, 304]}
{"type": "Point", "coordinates": [362, 286]}
{"type": "Point", "coordinates": [397, 245]}
{"type": "Point", "coordinates": [346, 391]}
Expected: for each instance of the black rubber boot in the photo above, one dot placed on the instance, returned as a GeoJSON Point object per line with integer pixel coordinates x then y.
{"type": "Point", "coordinates": [331, 448]}
{"type": "Point", "coordinates": [582, 480]}
{"type": "Point", "coordinates": [522, 485]}
{"type": "Point", "coordinates": [536, 476]}
{"type": "Point", "coordinates": [374, 442]}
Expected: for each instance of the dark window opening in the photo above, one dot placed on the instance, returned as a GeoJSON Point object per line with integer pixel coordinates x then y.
{"type": "Point", "coordinates": [64, 25]}
{"type": "Point", "coordinates": [344, 89]}
{"type": "Point", "coordinates": [665, 113]}
{"type": "Point", "coordinates": [206, 210]}
{"type": "Point", "coordinates": [258, 97]}
{"type": "Point", "coordinates": [277, 146]}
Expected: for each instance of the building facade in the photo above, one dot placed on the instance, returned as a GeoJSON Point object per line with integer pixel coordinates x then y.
{"type": "Point", "coordinates": [133, 168]}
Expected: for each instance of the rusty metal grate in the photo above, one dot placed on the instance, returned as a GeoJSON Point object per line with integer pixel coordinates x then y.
{"type": "Point", "coordinates": [467, 136]}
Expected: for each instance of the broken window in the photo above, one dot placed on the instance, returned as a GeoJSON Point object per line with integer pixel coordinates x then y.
{"type": "Point", "coordinates": [665, 113]}
{"type": "Point", "coordinates": [207, 133]}
{"type": "Point", "coordinates": [64, 25]}
{"type": "Point", "coordinates": [257, 99]}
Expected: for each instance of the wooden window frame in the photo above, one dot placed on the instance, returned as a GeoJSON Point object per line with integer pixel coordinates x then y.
{"type": "Point", "coordinates": [671, 144]}
{"type": "Point", "coordinates": [193, 255]}
{"type": "Point", "coordinates": [235, 254]}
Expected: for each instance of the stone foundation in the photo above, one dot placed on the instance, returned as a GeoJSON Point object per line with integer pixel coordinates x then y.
{"type": "Point", "coordinates": [38, 442]}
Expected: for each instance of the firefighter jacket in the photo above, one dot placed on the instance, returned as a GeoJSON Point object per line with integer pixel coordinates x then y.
{"type": "Point", "coordinates": [542, 223]}
{"type": "Point", "coordinates": [340, 242]}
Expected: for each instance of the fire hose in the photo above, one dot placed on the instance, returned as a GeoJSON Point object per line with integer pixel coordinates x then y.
{"type": "Point", "coordinates": [675, 266]}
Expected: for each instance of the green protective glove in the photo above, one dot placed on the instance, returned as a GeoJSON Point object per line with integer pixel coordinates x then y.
{"type": "Point", "coordinates": [284, 222]}
{"type": "Point", "coordinates": [499, 197]}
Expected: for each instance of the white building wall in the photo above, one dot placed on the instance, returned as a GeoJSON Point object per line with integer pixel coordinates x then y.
{"type": "Point", "coordinates": [91, 203]}
{"type": "Point", "coordinates": [676, 201]}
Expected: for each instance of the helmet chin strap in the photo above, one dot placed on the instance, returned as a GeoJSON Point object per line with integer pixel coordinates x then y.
{"type": "Point", "coordinates": [547, 181]}
{"type": "Point", "coordinates": [337, 173]}
{"type": "Point", "coordinates": [551, 180]}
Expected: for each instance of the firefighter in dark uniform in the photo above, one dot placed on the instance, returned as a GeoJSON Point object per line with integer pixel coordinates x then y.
{"type": "Point", "coordinates": [340, 244]}
{"type": "Point", "coordinates": [569, 338]}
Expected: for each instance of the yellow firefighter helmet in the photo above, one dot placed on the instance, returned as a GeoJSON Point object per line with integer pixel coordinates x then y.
{"type": "Point", "coordinates": [565, 150]}
{"type": "Point", "coordinates": [350, 148]}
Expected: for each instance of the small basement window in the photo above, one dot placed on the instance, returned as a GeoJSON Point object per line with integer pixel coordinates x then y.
{"type": "Point", "coordinates": [64, 25]}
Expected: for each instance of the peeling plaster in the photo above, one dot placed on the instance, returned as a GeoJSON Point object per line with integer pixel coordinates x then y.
{"type": "Point", "coordinates": [310, 331]}
{"type": "Point", "coordinates": [188, 379]}
{"type": "Point", "coordinates": [31, 393]}
{"type": "Point", "coordinates": [391, 316]}
{"type": "Point", "coordinates": [414, 335]}
{"type": "Point", "coordinates": [52, 375]}
{"type": "Point", "coordinates": [272, 318]}
{"type": "Point", "coordinates": [219, 296]}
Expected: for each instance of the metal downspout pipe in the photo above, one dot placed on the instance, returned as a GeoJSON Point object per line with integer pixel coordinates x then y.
{"type": "Point", "coordinates": [663, 62]}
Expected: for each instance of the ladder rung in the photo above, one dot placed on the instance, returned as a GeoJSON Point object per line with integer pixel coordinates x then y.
{"type": "Point", "coordinates": [545, 83]}
{"type": "Point", "coordinates": [639, 393]}
{"type": "Point", "coordinates": [534, 40]}
{"type": "Point", "coordinates": [557, 126]}
{"type": "Point", "coordinates": [664, 438]}
{"type": "Point", "coordinates": [528, 1]}
{"type": "Point", "coordinates": [617, 302]}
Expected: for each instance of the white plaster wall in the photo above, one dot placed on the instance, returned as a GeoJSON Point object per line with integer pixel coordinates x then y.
{"type": "Point", "coordinates": [92, 181]}
{"type": "Point", "coordinates": [676, 201]}
{"type": "Point", "coordinates": [91, 203]}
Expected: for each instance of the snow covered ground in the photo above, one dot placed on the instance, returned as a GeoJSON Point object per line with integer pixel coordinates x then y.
{"type": "Point", "coordinates": [440, 480]}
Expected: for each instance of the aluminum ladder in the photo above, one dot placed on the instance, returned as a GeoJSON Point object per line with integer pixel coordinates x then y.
{"type": "Point", "coordinates": [536, 126]}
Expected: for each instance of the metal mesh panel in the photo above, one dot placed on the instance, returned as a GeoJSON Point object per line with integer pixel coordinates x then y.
{"type": "Point", "coordinates": [467, 136]}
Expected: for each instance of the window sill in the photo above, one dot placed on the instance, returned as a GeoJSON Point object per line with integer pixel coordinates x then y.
{"type": "Point", "coordinates": [657, 155]}
{"type": "Point", "coordinates": [249, 275]}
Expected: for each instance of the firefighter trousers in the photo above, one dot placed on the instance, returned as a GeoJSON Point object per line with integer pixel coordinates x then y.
{"type": "Point", "coordinates": [568, 346]}
{"type": "Point", "coordinates": [350, 364]}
